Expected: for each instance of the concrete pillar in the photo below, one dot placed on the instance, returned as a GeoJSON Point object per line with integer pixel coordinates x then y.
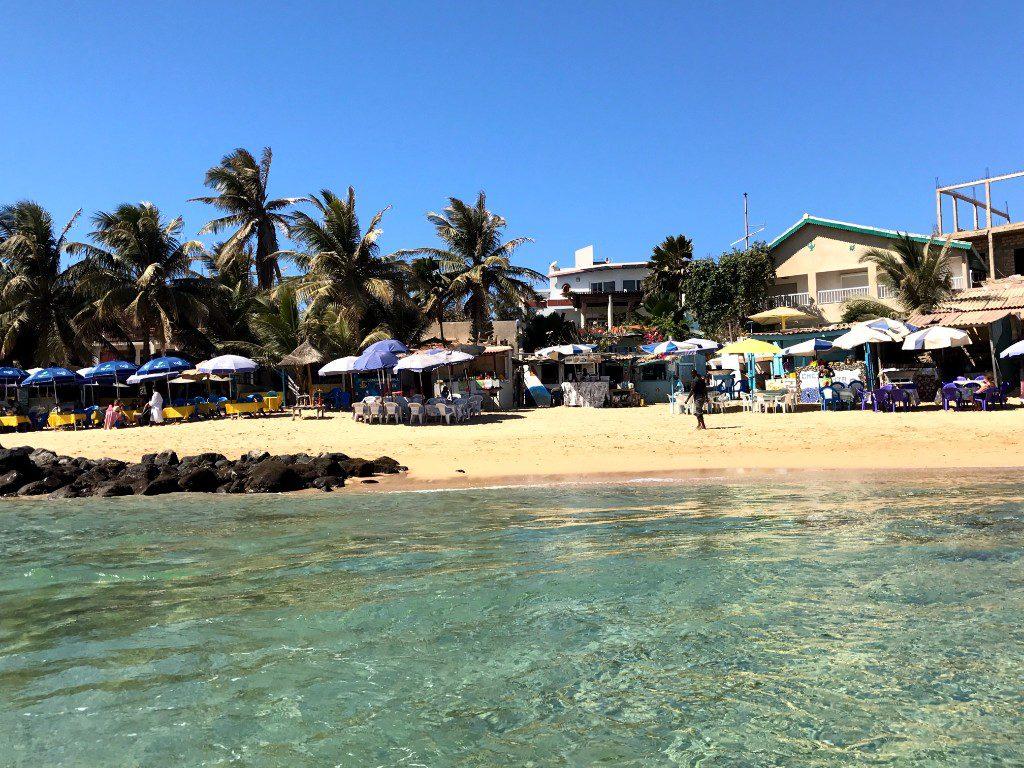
{"type": "Point", "coordinates": [812, 287]}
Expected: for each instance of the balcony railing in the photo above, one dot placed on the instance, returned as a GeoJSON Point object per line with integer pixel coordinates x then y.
{"type": "Point", "coordinates": [885, 292]}
{"type": "Point", "coordinates": [789, 300]}
{"type": "Point", "coordinates": [839, 295]}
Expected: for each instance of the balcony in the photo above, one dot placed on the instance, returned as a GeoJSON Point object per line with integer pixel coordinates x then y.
{"type": "Point", "coordinates": [885, 292]}
{"type": "Point", "coordinates": [789, 300]}
{"type": "Point", "coordinates": [839, 295]}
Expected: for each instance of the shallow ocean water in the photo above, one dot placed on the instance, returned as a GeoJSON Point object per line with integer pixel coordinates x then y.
{"type": "Point", "coordinates": [780, 621]}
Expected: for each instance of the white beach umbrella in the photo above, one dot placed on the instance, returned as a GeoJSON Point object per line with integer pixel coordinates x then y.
{"type": "Point", "coordinates": [564, 350]}
{"type": "Point", "coordinates": [898, 328]}
{"type": "Point", "coordinates": [1014, 350]}
{"type": "Point", "coordinates": [808, 348]}
{"type": "Point", "coordinates": [422, 361]}
{"type": "Point", "coordinates": [339, 366]}
{"type": "Point", "coordinates": [937, 337]}
{"type": "Point", "coordinates": [863, 334]}
{"type": "Point", "coordinates": [227, 364]}
{"type": "Point", "coordinates": [708, 345]}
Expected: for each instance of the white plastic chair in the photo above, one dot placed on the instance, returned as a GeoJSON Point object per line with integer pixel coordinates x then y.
{"type": "Point", "coordinates": [392, 411]}
{"type": "Point", "coordinates": [375, 412]}
{"type": "Point", "coordinates": [417, 412]}
{"type": "Point", "coordinates": [431, 412]}
{"type": "Point", "coordinates": [747, 402]}
{"type": "Point", "coordinates": [444, 412]}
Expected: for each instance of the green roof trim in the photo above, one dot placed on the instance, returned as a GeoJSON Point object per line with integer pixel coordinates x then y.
{"type": "Point", "coordinates": [890, 234]}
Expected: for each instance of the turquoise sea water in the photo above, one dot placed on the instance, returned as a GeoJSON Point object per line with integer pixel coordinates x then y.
{"type": "Point", "coordinates": [776, 622]}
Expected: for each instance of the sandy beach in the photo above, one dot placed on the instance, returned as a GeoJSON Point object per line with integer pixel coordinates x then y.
{"type": "Point", "coordinates": [567, 443]}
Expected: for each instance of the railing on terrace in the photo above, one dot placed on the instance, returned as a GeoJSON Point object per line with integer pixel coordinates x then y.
{"type": "Point", "coordinates": [885, 292]}
{"type": "Point", "coordinates": [839, 295]}
{"type": "Point", "coordinates": [789, 300]}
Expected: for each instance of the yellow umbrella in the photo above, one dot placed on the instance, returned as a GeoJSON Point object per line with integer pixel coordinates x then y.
{"type": "Point", "coordinates": [750, 347]}
{"type": "Point", "coordinates": [779, 315]}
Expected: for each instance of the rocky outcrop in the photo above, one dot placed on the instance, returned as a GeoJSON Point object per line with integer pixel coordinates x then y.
{"type": "Point", "coordinates": [28, 472]}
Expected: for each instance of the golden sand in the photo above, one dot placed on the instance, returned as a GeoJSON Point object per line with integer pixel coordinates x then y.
{"type": "Point", "coordinates": [525, 446]}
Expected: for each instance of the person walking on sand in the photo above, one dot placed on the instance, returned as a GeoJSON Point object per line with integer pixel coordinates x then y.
{"type": "Point", "coordinates": [156, 408]}
{"type": "Point", "coordinates": [699, 395]}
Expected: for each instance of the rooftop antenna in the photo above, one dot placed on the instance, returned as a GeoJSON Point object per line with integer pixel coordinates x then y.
{"type": "Point", "coordinates": [746, 225]}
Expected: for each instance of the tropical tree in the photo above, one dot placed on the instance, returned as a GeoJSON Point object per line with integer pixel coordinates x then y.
{"type": "Point", "coordinates": [431, 288]}
{"type": "Point", "coordinates": [858, 309]}
{"type": "Point", "coordinates": [342, 268]}
{"type": "Point", "coordinates": [722, 294]}
{"type": "Point", "coordinates": [38, 299]}
{"type": "Point", "coordinates": [919, 275]}
{"type": "Point", "coordinates": [478, 261]}
{"type": "Point", "coordinates": [241, 185]}
{"type": "Point", "coordinates": [669, 262]}
{"type": "Point", "coordinates": [541, 331]}
{"type": "Point", "coordinates": [139, 278]}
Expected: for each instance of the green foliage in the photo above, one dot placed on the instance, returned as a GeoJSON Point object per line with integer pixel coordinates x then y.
{"type": "Point", "coordinates": [539, 331]}
{"type": "Point", "coordinates": [477, 260]}
{"type": "Point", "coordinates": [859, 309]}
{"type": "Point", "coordinates": [721, 294]}
{"type": "Point", "coordinates": [920, 275]}
{"type": "Point", "coordinates": [38, 299]}
{"type": "Point", "coordinates": [668, 265]}
{"type": "Point", "coordinates": [241, 185]}
{"type": "Point", "coordinates": [665, 313]}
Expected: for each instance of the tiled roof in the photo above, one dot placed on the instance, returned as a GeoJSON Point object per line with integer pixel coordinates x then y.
{"type": "Point", "coordinates": [987, 303]}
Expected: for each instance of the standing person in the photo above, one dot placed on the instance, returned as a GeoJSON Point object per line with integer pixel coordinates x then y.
{"type": "Point", "coordinates": [699, 395]}
{"type": "Point", "coordinates": [156, 408]}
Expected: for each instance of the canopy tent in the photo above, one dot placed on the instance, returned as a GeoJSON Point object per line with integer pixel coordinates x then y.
{"type": "Point", "coordinates": [780, 315]}
{"type": "Point", "coordinates": [809, 348]}
{"type": "Point", "coordinates": [936, 337]}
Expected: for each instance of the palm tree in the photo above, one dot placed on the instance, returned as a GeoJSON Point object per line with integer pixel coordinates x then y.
{"type": "Point", "coordinates": [140, 279]}
{"type": "Point", "coordinates": [919, 275]}
{"type": "Point", "coordinates": [431, 288]}
{"type": "Point", "coordinates": [241, 185]}
{"type": "Point", "coordinates": [477, 261]}
{"type": "Point", "coordinates": [342, 268]}
{"type": "Point", "coordinates": [38, 299]}
{"type": "Point", "coordinates": [668, 265]}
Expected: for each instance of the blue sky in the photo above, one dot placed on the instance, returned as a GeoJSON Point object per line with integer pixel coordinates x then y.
{"type": "Point", "coordinates": [606, 123]}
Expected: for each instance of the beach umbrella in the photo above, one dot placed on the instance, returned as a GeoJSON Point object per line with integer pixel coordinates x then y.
{"type": "Point", "coordinates": [375, 361]}
{"type": "Point", "coordinates": [11, 375]}
{"type": "Point", "coordinates": [705, 345]}
{"type": "Point", "coordinates": [1014, 350]}
{"type": "Point", "coordinates": [898, 328]}
{"type": "Point", "coordinates": [54, 376]}
{"type": "Point", "coordinates": [225, 365]}
{"type": "Point", "coordinates": [809, 348]}
{"type": "Point", "coordinates": [339, 366]}
{"type": "Point", "coordinates": [752, 348]}
{"type": "Point", "coordinates": [862, 334]}
{"type": "Point", "coordinates": [780, 315]}
{"type": "Point", "coordinates": [936, 337]}
{"type": "Point", "coordinates": [85, 372]}
{"type": "Point", "coordinates": [163, 367]}
{"type": "Point", "coordinates": [667, 347]}
{"type": "Point", "coordinates": [564, 350]}
{"type": "Point", "coordinates": [422, 361]}
{"type": "Point", "coordinates": [387, 345]}
{"type": "Point", "coordinates": [117, 370]}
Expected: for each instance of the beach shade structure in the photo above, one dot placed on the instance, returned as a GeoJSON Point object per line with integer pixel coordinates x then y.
{"type": "Point", "coordinates": [881, 331]}
{"type": "Point", "coordinates": [340, 366]}
{"type": "Point", "coordinates": [897, 328]}
{"type": "Point", "coordinates": [85, 373]}
{"type": "Point", "coordinates": [936, 337]}
{"type": "Point", "coordinates": [779, 315]}
{"type": "Point", "coordinates": [703, 345]}
{"type": "Point", "coordinates": [752, 349]}
{"type": "Point", "coordinates": [1014, 350]}
{"type": "Point", "coordinates": [565, 350]}
{"type": "Point", "coordinates": [162, 368]}
{"type": "Point", "coordinates": [667, 347]}
{"type": "Point", "coordinates": [303, 356]}
{"type": "Point", "coordinates": [452, 356]}
{"type": "Point", "coordinates": [10, 376]}
{"type": "Point", "coordinates": [393, 346]}
{"type": "Point", "coordinates": [420, 362]}
{"type": "Point", "coordinates": [112, 370]}
{"type": "Point", "coordinates": [375, 360]}
{"type": "Point", "coordinates": [54, 377]}
{"type": "Point", "coordinates": [226, 365]}
{"type": "Point", "coordinates": [809, 348]}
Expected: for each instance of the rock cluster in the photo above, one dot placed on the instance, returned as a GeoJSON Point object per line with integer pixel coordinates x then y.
{"type": "Point", "coordinates": [28, 472]}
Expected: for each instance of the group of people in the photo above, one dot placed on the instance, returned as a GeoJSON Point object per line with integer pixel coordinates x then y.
{"type": "Point", "coordinates": [152, 413]}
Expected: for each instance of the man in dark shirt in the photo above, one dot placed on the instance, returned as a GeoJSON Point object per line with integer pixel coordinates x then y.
{"type": "Point", "coordinates": [699, 395]}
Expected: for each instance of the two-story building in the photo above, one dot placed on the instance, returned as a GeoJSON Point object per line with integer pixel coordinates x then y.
{"type": "Point", "coordinates": [818, 266]}
{"type": "Point", "coordinates": [594, 292]}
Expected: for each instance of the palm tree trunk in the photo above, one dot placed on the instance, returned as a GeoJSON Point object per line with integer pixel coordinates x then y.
{"type": "Point", "coordinates": [266, 263]}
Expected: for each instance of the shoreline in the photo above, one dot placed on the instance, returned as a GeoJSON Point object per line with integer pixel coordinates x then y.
{"type": "Point", "coordinates": [571, 445]}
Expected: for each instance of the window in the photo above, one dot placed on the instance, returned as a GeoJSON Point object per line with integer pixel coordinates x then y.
{"type": "Point", "coordinates": [1018, 261]}
{"type": "Point", "coordinates": [856, 280]}
{"type": "Point", "coordinates": [631, 285]}
{"type": "Point", "coordinates": [606, 287]}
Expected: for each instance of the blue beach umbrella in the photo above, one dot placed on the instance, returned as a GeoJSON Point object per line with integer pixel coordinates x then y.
{"type": "Point", "coordinates": [112, 370]}
{"type": "Point", "coordinates": [52, 376]}
{"type": "Point", "coordinates": [10, 375]}
{"type": "Point", "coordinates": [387, 345]}
{"type": "Point", "coordinates": [667, 347]}
{"type": "Point", "coordinates": [375, 360]}
{"type": "Point", "coordinates": [167, 366]}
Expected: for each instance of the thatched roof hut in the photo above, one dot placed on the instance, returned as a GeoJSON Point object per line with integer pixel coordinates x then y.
{"type": "Point", "coordinates": [302, 355]}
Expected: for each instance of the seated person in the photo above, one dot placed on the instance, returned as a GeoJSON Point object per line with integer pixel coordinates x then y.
{"type": "Point", "coordinates": [986, 385]}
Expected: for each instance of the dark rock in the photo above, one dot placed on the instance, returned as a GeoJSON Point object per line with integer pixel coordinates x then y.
{"type": "Point", "coordinates": [357, 467]}
{"type": "Point", "coordinates": [201, 480]}
{"type": "Point", "coordinates": [255, 456]}
{"type": "Point", "coordinates": [369, 481]}
{"type": "Point", "coordinates": [165, 482]}
{"type": "Point", "coordinates": [166, 459]}
{"type": "Point", "coordinates": [138, 475]}
{"type": "Point", "coordinates": [328, 482]}
{"type": "Point", "coordinates": [36, 488]}
{"type": "Point", "coordinates": [385, 465]}
{"type": "Point", "coordinates": [17, 458]}
{"type": "Point", "coordinates": [116, 488]}
{"type": "Point", "coordinates": [67, 492]}
{"type": "Point", "coordinates": [42, 456]}
{"type": "Point", "coordinates": [272, 476]}
{"type": "Point", "coordinates": [11, 481]}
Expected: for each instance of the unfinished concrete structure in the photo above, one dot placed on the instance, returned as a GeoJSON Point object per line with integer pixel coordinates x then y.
{"type": "Point", "coordinates": [997, 239]}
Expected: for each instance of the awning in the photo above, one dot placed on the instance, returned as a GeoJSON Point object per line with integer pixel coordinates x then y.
{"type": "Point", "coordinates": [969, 319]}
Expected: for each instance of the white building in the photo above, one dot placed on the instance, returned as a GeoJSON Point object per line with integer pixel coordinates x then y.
{"type": "Point", "coordinates": [594, 292]}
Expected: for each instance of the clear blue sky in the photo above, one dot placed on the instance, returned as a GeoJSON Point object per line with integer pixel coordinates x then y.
{"type": "Point", "coordinates": [607, 123]}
